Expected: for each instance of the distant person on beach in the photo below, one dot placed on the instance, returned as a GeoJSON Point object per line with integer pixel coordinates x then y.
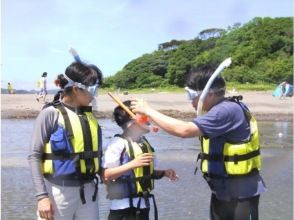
{"type": "Point", "coordinates": [10, 88]}
{"type": "Point", "coordinates": [230, 154]}
{"type": "Point", "coordinates": [283, 89]}
{"type": "Point", "coordinates": [129, 170]}
{"type": "Point", "coordinates": [66, 150]}
{"type": "Point", "coordinates": [42, 84]}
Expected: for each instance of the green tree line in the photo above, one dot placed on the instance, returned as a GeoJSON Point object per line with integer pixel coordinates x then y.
{"type": "Point", "coordinates": [261, 50]}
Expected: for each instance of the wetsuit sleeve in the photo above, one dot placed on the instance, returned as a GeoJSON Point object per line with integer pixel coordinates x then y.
{"type": "Point", "coordinates": [158, 174]}
{"type": "Point", "coordinates": [45, 125]}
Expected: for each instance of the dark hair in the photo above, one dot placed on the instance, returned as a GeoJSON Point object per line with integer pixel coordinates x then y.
{"type": "Point", "coordinates": [99, 73]}
{"type": "Point", "coordinates": [198, 77]}
{"type": "Point", "coordinates": [121, 117]}
{"type": "Point", "coordinates": [83, 73]}
{"type": "Point", "coordinates": [78, 72]}
{"type": "Point", "coordinates": [61, 81]}
{"type": "Point", "coordinates": [44, 74]}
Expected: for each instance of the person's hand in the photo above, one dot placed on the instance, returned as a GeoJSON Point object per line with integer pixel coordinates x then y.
{"type": "Point", "coordinates": [45, 209]}
{"type": "Point", "coordinates": [171, 174]}
{"type": "Point", "coordinates": [139, 106]}
{"type": "Point", "coordinates": [142, 160]}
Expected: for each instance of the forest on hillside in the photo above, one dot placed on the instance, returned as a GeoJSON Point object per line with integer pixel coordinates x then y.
{"type": "Point", "coordinates": [261, 51]}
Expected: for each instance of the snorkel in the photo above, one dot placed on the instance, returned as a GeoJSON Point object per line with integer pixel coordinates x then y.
{"type": "Point", "coordinates": [92, 89]}
{"type": "Point", "coordinates": [227, 62]}
{"type": "Point", "coordinates": [75, 55]}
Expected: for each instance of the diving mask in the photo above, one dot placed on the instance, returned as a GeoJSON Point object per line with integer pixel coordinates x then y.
{"type": "Point", "coordinates": [91, 89]}
{"type": "Point", "coordinates": [192, 94]}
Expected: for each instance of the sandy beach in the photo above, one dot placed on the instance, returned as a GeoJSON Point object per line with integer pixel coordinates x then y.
{"type": "Point", "coordinates": [262, 104]}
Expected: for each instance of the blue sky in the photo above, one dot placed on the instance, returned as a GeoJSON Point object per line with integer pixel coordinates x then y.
{"type": "Point", "coordinates": [36, 34]}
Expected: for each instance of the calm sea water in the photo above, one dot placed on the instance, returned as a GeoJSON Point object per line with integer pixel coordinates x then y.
{"type": "Point", "coordinates": [186, 199]}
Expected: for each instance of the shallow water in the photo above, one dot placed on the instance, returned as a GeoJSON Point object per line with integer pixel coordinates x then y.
{"type": "Point", "coordinates": [186, 199]}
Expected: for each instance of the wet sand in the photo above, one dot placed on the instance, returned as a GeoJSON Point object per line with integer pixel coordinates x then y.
{"type": "Point", "coordinates": [262, 104]}
{"type": "Point", "coordinates": [186, 199]}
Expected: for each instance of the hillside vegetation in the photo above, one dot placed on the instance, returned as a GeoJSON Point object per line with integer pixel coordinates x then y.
{"type": "Point", "coordinates": [261, 50]}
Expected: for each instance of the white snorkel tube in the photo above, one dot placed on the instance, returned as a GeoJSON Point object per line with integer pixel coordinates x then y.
{"type": "Point", "coordinates": [227, 62]}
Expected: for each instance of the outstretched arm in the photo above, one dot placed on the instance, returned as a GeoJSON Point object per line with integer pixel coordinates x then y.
{"type": "Point", "coordinates": [171, 125]}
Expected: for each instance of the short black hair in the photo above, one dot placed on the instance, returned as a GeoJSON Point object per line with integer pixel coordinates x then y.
{"type": "Point", "coordinates": [121, 117]}
{"type": "Point", "coordinates": [198, 78]}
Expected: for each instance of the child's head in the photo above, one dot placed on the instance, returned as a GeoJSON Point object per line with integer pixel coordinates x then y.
{"type": "Point", "coordinates": [79, 81]}
{"type": "Point", "coordinates": [121, 117]}
{"type": "Point", "coordinates": [125, 121]}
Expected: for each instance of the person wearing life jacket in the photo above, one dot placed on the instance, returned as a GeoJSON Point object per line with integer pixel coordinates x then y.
{"type": "Point", "coordinates": [10, 89]}
{"type": "Point", "coordinates": [42, 84]}
{"type": "Point", "coordinates": [230, 154]}
{"type": "Point", "coordinates": [66, 149]}
{"type": "Point", "coordinates": [129, 170]}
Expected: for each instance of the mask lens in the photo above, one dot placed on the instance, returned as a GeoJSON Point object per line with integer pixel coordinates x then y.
{"type": "Point", "coordinates": [192, 94]}
{"type": "Point", "coordinates": [92, 90]}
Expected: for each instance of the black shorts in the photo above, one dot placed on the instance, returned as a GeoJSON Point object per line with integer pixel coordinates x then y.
{"type": "Point", "coordinates": [236, 209]}
{"type": "Point", "coordinates": [129, 214]}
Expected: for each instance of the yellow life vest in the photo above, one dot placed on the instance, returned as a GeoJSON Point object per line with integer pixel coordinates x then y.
{"type": "Point", "coordinates": [141, 181]}
{"type": "Point", "coordinates": [9, 87]}
{"type": "Point", "coordinates": [138, 181]}
{"type": "Point", "coordinates": [40, 83]}
{"type": "Point", "coordinates": [143, 175]}
{"type": "Point", "coordinates": [236, 158]}
{"type": "Point", "coordinates": [73, 149]}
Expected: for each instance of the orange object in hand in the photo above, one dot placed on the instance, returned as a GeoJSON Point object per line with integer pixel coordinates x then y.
{"type": "Point", "coordinates": [142, 119]}
{"type": "Point", "coordinates": [145, 120]}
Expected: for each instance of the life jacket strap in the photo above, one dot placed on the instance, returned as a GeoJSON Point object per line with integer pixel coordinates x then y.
{"type": "Point", "coordinates": [69, 177]}
{"type": "Point", "coordinates": [96, 181]}
{"type": "Point", "coordinates": [67, 123]}
{"type": "Point", "coordinates": [71, 156]}
{"type": "Point", "coordinates": [211, 157]}
{"type": "Point", "coordinates": [128, 179]}
{"type": "Point", "coordinates": [155, 207]}
{"type": "Point", "coordinates": [82, 194]}
{"type": "Point", "coordinates": [88, 144]}
{"type": "Point", "coordinates": [209, 176]}
{"type": "Point", "coordinates": [196, 167]}
{"type": "Point", "coordinates": [146, 195]}
{"type": "Point", "coordinates": [82, 190]}
{"type": "Point", "coordinates": [235, 158]}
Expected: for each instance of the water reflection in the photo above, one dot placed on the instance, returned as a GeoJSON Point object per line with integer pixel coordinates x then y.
{"type": "Point", "coordinates": [191, 191]}
{"type": "Point", "coordinates": [276, 134]}
{"type": "Point", "coordinates": [16, 136]}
